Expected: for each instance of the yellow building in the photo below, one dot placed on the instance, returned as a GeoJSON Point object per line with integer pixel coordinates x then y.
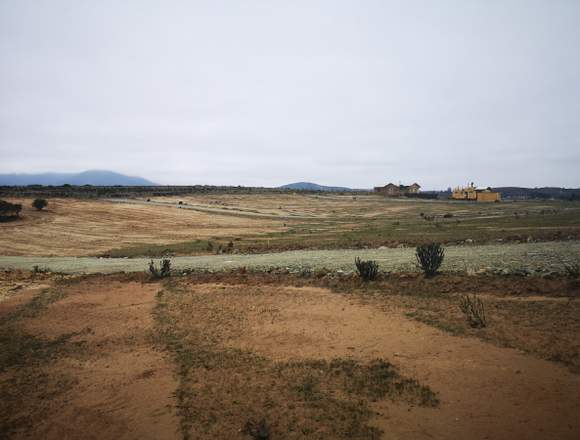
{"type": "Point", "coordinates": [475, 194]}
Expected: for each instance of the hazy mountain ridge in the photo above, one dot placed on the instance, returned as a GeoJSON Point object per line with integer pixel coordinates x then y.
{"type": "Point", "coordinates": [91, 177]}
{"type": "Point", "coordinates": [309, 186]}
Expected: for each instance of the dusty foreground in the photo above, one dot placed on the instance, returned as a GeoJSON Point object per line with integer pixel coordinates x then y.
{"type": "Point", "coordinates": [120, 357]}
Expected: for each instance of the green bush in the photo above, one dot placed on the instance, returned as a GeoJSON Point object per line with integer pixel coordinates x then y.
{"type": "Point", "coordinates": [9, 211]}
{"type": "Point", "coordinates": [367, 270]}
{"type": "Point", "coordinates": [40, 204]}
{"type": "Point", "coordinates": [430, 256]}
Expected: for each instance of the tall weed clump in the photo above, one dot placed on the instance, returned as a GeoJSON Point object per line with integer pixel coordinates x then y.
{"type": "Point", "coordinates": [430, 256]}
{"type": "Point", "coordinates": [474, 311]}
{"type": "Point", "coordinates": [161, 271]}
{"type": "Point", "coordinates": [572, 269]}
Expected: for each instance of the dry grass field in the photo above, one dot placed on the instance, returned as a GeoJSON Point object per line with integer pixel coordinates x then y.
{"type": "Point", "coordinates": [70, 227]}
{"type": "Point", "coordinates": [273, 222]}
{"type": "Point", "coordinates": [225, 355]}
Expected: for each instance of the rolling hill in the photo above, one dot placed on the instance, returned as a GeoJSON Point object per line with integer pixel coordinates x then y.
{"type": "Point", "coordinates": [91, 177]}
{"type": "Point", "coordinates": [309, 186]}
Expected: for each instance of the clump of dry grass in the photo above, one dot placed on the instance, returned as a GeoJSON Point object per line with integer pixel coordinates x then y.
{"type": "Point", "coordinates": [572, 269]}
{"type": "Point", "coordinates": [474, 311]}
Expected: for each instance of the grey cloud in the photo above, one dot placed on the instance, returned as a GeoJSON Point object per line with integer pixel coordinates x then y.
{"type": "Point", "coordinates": [265, 93]}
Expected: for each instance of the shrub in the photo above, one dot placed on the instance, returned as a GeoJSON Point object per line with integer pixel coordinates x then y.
{"type": "Point", "coordinates": [473, 310]}
{"type": "Point", "coordinates": [257, 430]}
{"type": "Point", "coordinates": [572, 269]}
{"type": "Point", "coordinates": [37, 269]}
{"type": "Point", "coordinates": [161, 271]}
{"type": "Point", "coordinates": [430, 256]}
{"type": "Point", "coordinates": [9, 211]}
{"type": "Point", "coordinates": [40, 204]}
{"type": "Point", "coordinates": [367, 270]}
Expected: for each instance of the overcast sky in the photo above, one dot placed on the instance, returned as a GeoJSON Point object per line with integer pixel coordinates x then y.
{"type": "Point", "coordinates": [354, 93]}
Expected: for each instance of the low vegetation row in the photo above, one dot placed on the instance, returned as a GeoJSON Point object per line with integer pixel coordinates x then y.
{"type": "Point", "coordinates": [11, 211]}
{"type": "Point", "coordinates": [429, 258]}
{"type": "Point", "coordinates": [90, 191]}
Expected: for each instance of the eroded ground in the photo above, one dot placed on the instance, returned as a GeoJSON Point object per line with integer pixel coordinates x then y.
{"type": "Point", "coordinates": [212, 355]}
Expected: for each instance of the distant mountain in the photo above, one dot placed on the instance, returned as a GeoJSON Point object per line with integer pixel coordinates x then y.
{"type": "Point", "coordinates": [309, 186]}
{"type": "Point", "coordinates": [92, 177]}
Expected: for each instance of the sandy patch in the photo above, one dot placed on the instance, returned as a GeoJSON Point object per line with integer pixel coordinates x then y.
{"type": "Point", "coordinates": [123, 386]}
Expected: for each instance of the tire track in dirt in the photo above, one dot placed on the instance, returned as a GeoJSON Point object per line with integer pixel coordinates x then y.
{"type": "Point", "coordinates": [123, 387]}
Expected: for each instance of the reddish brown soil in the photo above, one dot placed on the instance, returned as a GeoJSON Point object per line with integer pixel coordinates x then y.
{"type": "Point", "coordinates": [20, 287]}
{"type": "Point", "coordinates": [123, 386]}
{"type": "Point", "coordinates": [485, 391]}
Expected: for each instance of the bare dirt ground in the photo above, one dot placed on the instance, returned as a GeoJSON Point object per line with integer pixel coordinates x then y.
{"type": "Point", "coordinates": [477, 383]}
{"type": "Point", "coordinates": [114, 385]}
{"type": "Point", "coordinates": [315, 358]}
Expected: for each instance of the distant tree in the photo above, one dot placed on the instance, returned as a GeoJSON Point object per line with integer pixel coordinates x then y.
{"type": "Point", "coordinates": [9, 211]}
{"type": "Point", "coordinates": [40, 204]}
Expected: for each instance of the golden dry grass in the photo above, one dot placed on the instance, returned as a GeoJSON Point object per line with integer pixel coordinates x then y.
{"type": "Point", "coordinates": [273, 222]}
{"type": "Point", "coordinates": [71, 227]}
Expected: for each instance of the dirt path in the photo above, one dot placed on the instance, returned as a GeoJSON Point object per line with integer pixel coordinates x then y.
{"type": "Point", "coordinates": [486, 392]}
{"type": "Point", "coordinates": [545, 256]}
{"type": "Point", "coordinates": [231, 211]}
{"type": "Point", "coordinates": [123, 387]}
